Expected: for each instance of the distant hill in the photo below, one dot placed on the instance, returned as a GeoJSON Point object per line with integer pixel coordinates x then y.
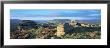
{"type": "Point", "coordinates": [60, 20]}
{"type": "Point", "coordinates": [90, 21]}
{"type": "Point", "coordinates": [68, 20]}
{"type": "Point", "coordinates": [40, 21]}
{"type": "Point", "coordinates": [14, 20]}
{"type": "Point", "coordinates": [14, 23]}
{"type": "Point", "coordinates": [26, 24]}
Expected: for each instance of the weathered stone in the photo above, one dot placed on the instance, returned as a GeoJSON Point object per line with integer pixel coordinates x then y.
{"type": "Point", "coordinates": [60, 30]}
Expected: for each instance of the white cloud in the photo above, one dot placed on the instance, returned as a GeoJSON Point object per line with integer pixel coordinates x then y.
{"type": "Point", "coordinates": [51, 18]}
{"type": "Point", "coordinates": [94, 15]}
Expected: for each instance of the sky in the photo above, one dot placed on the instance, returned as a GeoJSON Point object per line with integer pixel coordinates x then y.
{"type": "Point", "coordinates": [50, 14]}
